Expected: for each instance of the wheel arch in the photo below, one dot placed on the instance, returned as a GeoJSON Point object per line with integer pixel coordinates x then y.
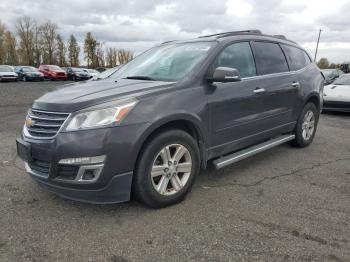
{"type": "Point", "coordinates": [315, 99]}
{"type": "Point", "coordinates": [185, 122]}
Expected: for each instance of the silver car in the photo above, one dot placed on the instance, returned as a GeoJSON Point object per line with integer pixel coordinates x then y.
{"type": "Point", "coordinates": [7, 73]}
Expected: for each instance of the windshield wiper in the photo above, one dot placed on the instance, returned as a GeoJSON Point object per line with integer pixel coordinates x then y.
{"type": "Point", "coordinates": [140, 78]}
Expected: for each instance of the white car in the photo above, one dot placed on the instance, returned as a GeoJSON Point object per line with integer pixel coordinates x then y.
{"type": "Point", "coordinates": [7, 73]}
{"type": "Point", "coordinates": [336, 96]}
{"type": "Point", "coordinates": [91, 72]}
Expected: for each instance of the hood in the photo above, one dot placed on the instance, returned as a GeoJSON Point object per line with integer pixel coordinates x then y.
{"type": "Point", "coordinates": [58, 71]}
{"type": "Point", "coordinates": [73, 97]}
{"type": "Point", "coordinates": [337, 93]}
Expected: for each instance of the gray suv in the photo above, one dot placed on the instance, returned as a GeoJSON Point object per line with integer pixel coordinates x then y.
{"type": "Point", "coordinates": [148, 130]}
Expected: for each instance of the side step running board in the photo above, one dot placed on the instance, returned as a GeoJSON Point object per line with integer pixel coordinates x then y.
{"type": "Point", "coordinates": [251, 151]}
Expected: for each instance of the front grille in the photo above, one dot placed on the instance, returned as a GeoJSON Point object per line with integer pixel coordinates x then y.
{"type": "Point", "coordinates": [44, 124]}
{"type": "Point", "coordinates": [61, 74]}
{"type": "Point", "coordinates": [41, 167]}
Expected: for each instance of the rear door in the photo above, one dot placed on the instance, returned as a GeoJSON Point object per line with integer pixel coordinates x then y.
{"type": "Point", "coordinates": [277, 83]}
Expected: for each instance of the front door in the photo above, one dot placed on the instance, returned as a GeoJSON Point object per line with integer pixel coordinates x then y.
{"type": "Point", "coordinates": [236, 108]}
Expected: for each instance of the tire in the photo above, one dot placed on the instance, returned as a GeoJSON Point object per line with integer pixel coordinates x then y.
{"type": "Point", "coordinates": [303, 138]}
{"type": "Point", "coordinates": [151, 190]}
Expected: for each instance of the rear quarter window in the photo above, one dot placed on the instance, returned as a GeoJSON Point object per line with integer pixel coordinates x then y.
{"type": "Point", "coordinates": [297, 58]}
{"type": "Point", "coordinates": [270, 58]}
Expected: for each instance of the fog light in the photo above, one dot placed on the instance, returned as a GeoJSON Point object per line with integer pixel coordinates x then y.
{"type": "Point", "coordinates": [88, 175]}
{"type": "Point", "coordinates": [83, 160]}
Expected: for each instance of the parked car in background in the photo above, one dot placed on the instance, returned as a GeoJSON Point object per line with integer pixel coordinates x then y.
{"type": "Point", "coordinates": [101, 69]}
{"type": "Point", "coordinates": [29, 73]}
{"type": "Point", "coordinates": [91, 72]}
{"type": "Point", "coordinates": [77, 74]}
{"type": "Point", "coordinates": [7, 73]}
{"type": "Point", "coordinates": [149, 129]}
{"type": "Point", "coordinates": [336, 96]}
{"type": "Point", "coordinates": [53, 72]}
{"type": "Point", "coordinates": [105, 74]}
{"type": "Point", "coordinates": [331, 75]}
{"type": "Point", "coordinates": [345, 68]}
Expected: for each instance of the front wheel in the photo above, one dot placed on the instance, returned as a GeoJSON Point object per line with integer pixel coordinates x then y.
{"type": "Point", "coordinates": [167, 169]}
{"type": "Point", "coordinates": [306, 126]}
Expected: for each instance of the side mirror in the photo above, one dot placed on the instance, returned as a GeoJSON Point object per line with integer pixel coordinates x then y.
{"type": "Point", "coordinates": [224, 75]}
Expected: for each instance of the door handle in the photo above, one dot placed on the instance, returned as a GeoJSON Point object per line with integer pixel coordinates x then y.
{"type": "Point", "coordinates": [295, 84]}
{"type": "Point", "coordinates": [259, 90]}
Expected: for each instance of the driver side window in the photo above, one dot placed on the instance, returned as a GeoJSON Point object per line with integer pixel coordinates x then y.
{"type": "Point", "coordinates": [239, 56]}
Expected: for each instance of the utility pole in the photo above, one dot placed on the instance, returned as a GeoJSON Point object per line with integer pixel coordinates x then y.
{"type": "Point", "coordinates": [318, 41]}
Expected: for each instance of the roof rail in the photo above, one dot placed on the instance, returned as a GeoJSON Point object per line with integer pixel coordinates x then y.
{"type": "Point", "coordinates": [280, 37]}
{"type": "Point", "coordinates": [254, 31]}
{"type": "Point", "coordinates": [283, 38]}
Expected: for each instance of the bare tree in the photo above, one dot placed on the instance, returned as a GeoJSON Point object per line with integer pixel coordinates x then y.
{"type": "Point", "coordinates": [73, 51]}
{"type": "Point", "coordinates": [90, 47]}
{"type": "Point", "coordinates": [100, 57]}
{"type": "Point", "coordinates": [61, 51]}
{"type": "Point", "coordinates": [2, 51]}
{"type": "Point", "coordinates": [48, 36]}
{"type": "Point", "coordinates": [25, 27]}
{"type": "Point", "coordinates": [124, 56]}
{"type": "Point", "coordinates": [37, 50]}
{"type": "Point", "coordinates": [10, 48]}
{"type": "Point", "coordinates": [111, 56]}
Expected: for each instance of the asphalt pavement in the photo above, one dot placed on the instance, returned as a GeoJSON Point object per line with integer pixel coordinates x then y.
{"type": "Point", "coordinates": [285, 204]}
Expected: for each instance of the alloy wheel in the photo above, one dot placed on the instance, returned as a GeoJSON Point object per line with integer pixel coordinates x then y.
{"type": "Point", "coordinates": [171, 169]}
{"type": "Point", "coordinates": [308, 125]}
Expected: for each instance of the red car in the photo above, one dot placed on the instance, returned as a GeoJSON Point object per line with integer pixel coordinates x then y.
{"type": "Point", "coordinates": [53, 72]}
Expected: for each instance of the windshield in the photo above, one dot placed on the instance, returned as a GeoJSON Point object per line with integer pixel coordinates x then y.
{"type": "Point", "coordinates": [53, 67]}
{"type": "Point", "coordinates": [93, 71]}
{"type": "Point", "coordinates": [169, 62]}
{"type": "Point", "coordinates": [28, 69]}
{"type": "Point", "coordinates": [74, 69]}
{"type": "Point", "coordinates": [5, 69]}
{"type": "Point", "coordinates": [107, 73]}
{"type": "Point", "coordinates": [344, 80]}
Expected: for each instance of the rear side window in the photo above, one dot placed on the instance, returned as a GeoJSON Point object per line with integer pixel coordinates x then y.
{"type": "Point", "coordinates": [239, 56]}
{"type": "Point", "coordinates": [269, 58]}
{"type": "Point", "coordinates": [297, 58]}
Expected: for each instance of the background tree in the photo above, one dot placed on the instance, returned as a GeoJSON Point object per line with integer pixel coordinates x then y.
{"type": "Point", "coordinates": [100, 57]}
{"type": "Point", "coordinates": [111, 56]}
{"type": "Point", "coordinates": [61, 51]}
{"type": "Point", "coordinates": [323, 63]}
{"type": "Point", "coordinates": [124, 56]}
{"type": "Point", "coordinates": [73, 51]}
{"type": "Point", "coordinates": [10, 48]}
{"type": "Point", "coordinates": [48, 36]}
{"type": "Point", "coordinates": [90, 47]}
{"type": "Point", "coordinates": [25, 30]}
{"type": "Point", "coordinates": [2, 51]}
{"type": "Point", "coordinates": [37, 50]}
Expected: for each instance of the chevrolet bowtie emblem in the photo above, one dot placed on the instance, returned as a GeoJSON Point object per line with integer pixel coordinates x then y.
{"type": "Point", "coordinates": [29, 122]}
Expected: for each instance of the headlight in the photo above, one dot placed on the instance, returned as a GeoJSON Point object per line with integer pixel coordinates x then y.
{"type": "Point", "coordinates": [95, 117]}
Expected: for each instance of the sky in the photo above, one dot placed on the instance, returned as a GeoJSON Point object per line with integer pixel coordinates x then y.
{"type": "Point", "coordinates": [138, 25]}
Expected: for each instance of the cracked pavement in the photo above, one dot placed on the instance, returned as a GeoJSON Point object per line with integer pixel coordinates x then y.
{"type": "Point", "coordinates": [285, 204]}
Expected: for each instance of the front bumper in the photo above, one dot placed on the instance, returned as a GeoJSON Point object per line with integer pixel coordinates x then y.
{"type": "Point", "coordinates": [35, 78]}
{"type": "Point", "coordinates": [8, 78]}
{"type": "Point", "coordinates": [119, 146]}
{"type": "Point", "coordinates": [338, 106]}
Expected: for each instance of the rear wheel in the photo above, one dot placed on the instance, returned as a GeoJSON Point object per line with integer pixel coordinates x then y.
{"type": "Point", "coordinates": [306, 126]}
{"type": "Point", "coordinates": [166, 169]}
